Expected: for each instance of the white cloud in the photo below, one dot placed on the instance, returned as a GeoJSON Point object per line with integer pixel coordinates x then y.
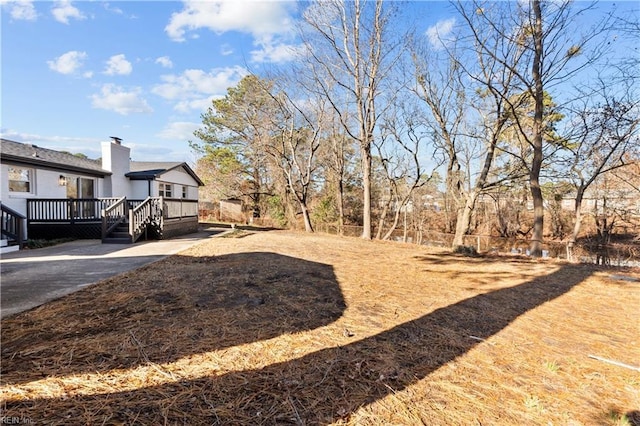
{"type": "Point", "coordinates": [180, 130]}
{"type": "Point", "coordinates": [114, 9]}
{"type": "Point", "coordinates": [21, 10]}
{"type": "Point", "coordinates": [165, 61]}
{"type": "Point", "coordinates": [198, 81]}
{"type": "Point", "coordinates": [275, 52]}
{"type": "Point", "coordinates": [118, 65]}
{"type": "Point", "coordinates": [439, 32]}
{"type": "Point", "coordinates": [194, 88]}
{"type": "Point", "coordinates": [117, 11]}
{"type": "Point", "coordinates": [258, 18]}
{"type": "Point", "coordinates": [226, 49]}
{"type": "Point", "coordinates": [68, 63]}
{"type": "Point", "coordinates": [269, 22]}
{"type": "Point", "coordinates": [194, 104]}
{"type": "Point", "coordinates": [114, 98]}
{"type": "Point", "coordinates": [63, 10]}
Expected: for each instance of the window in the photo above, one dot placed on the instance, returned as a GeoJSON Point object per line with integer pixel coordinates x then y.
{"type": "Point", "coordinates": [20, 180]}
{"type": "Point", "coordinates": [165, 190]}
{"type": "Point", "coordinates": [184, 191]}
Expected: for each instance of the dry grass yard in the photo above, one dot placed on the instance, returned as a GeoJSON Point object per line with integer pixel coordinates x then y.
{"type": "Point", "coordinates": [284, 328]}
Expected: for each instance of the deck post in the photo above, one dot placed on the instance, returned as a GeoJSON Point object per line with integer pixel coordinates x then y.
{"type": "Point", "coordinates": [71, 211]}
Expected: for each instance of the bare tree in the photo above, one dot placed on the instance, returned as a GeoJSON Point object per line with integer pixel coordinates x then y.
{"type": "Point", "coordinates": [337, 155]}
{"type": "Point", "coordinates": [443, 92]}
{"type": "Point", "coordinates": [298, 121]}
{"type": "Point", "coordinates": [349, 56]}
{"type": "Point", "coordinates": [467, 101]}
{"type": "Point", "coordinates": [555, 49]}
{"type": "Point", "coordinates": [401, 148]}
{"type": "Point", "coordinates": [604, 136]}
{"type": "Point", "coordinates": [295, 148]}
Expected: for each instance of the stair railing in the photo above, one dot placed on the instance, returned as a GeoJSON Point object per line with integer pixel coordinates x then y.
{"type": "Point", "coordinates": [12, 225]}
{"type": "Point", "coordinates": [113, 215]}
{"type": "Point", "coordinates": [142, 215]}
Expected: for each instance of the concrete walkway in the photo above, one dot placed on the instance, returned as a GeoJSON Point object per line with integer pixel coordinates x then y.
{"type": "Point", "coordinates": [29, 278]}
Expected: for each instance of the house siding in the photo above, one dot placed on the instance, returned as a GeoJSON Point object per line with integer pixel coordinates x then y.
{"type": "Point", "coordinates": [140, 190]}
{"type": "Point", "coordinates": [44, 185]}
{"type": "Point", "coordinates": [179, 178]}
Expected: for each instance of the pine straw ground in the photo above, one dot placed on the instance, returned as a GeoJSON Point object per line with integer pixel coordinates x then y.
{"type": "Point", "coordinates": [285, 328]}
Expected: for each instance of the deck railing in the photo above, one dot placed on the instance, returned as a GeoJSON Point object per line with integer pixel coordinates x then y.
{"type": "Point", "coordinates": [179, 208]}
{"type": "Point", "coordinates": [140, 217]}
{"type": "Point", "coordinates": [113, 215]}
{"type": "Point", "coordinates": [12, 225]}
{"type": "Point", "coordinates": [67, 210]}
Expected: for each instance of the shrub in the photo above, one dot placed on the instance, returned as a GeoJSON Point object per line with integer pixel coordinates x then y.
{"type": "Point", "coordinates": [466, 250]}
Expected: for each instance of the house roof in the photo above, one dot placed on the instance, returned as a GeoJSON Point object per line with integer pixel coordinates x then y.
{"type": "Point", "coordinates": [33, 155]}
{"type": "Point", "coordinates": [150, 170]}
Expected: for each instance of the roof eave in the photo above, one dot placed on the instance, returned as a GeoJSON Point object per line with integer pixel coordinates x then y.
{"type": "Point", "coordinates": [44, 164]}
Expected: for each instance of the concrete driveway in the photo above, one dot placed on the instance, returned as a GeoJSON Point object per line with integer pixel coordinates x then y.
{"type": "Point", "coordinates": [29, 278]}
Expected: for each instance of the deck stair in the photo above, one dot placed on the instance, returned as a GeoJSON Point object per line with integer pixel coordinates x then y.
{"type": "Point", "coordinates": [12, 226]}
{"type": "Point", "coordinates": [124, 224]}
{"type": "Point", "coordinates": [119, 234]}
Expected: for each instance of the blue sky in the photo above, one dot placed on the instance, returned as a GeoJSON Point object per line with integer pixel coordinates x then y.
{"type": "Point", "coordinates": [75, 73]}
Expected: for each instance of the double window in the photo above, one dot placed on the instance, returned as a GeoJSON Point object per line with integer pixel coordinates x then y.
{"type": "Point", "coordinates": [21, 180]}
{"type": "Point", "coordinates": [165, 190]}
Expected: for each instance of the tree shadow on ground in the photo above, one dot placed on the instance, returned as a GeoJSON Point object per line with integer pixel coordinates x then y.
{"type": "Point", "coordinates": [205, 303]}
{"type": "Point", "coordinates": [327, 385]}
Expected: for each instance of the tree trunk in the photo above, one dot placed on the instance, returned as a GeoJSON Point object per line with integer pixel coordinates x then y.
{"type": "Point", "coordinates": [306, 217]}
{"type": "Point", "coordinates": [289, 209]}
{"type": "Point", "coordinates": [340, 202]}
{"type": "Point", "coordinates": [463, 222]}
{"type": "Point", "coordinates": [578, 215]}
{"type": "Point", "coordinates": [396, 220]}
{"type": "Point", "coordinates": [366, 186]}
{"type": "Point", "coordinates": [255, 195]}
{"type": "Point", "coordinates": [383, 216]}
{"type": "Point", "coordinates": [454, 190]}
{"type": "Point", "coordinates": [538, 218]}
{"type": "Point", "coordinates": [405, 233]}
{"type": "Point", "coordinates": [536, 164]}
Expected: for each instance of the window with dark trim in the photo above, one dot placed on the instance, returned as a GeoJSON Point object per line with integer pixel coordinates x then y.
{"type": "Point", "coordinates": [20, 180]}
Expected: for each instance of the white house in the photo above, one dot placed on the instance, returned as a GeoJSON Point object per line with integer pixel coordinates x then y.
{"type": "Point", "coordinates": [36, 181]}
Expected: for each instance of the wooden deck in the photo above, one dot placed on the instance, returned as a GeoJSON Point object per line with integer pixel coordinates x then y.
{"type": "Point", "coordinates": [82, 218]}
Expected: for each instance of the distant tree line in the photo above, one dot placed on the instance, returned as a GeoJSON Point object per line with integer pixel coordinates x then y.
{"type": "Point", "coordinates": [484, 128]}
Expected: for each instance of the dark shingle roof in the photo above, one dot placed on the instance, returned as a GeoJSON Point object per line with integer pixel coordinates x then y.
{"type": "Point", "coordinates": [33, 155]}
{"type": "Point", "coordinates": [150, 170]}
{"type": "Point", "coordinates": [139, 166]}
